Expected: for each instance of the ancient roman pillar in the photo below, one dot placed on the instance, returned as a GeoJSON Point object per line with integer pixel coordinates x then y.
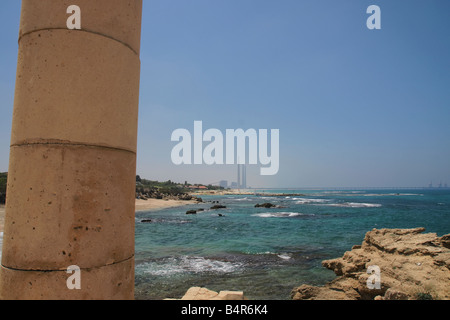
{"type": "Point", "coordinates": [71, 182]}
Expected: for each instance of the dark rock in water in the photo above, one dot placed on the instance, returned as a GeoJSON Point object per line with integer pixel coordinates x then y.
{"type": "Point", "coordinates": [218, 206]}
{"type": "Point", "coordinates": [221, 215]}
{"type": "Point", "coordinates": [146, 221]}
{"type": "Point", "coordinates": [191, 212]}
{"type": "Point", "coordinates": [265, 205]}
{"type": "Point", "coordinates": [201, 209]}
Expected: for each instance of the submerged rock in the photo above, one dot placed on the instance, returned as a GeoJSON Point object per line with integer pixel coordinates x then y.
{"type": "Point", "coordinates": [412, 265]}
{"type": "Point", "coordinates": [218, 206]}
{"type": "Point", "coordinates": [265, 205]}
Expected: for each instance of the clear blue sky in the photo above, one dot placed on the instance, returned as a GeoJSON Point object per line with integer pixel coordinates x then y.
{"type": "Point", "coordinates": [355, 107]}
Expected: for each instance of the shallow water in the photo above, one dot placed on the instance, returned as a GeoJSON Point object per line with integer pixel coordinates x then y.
{"type": "Point", "coordinates": [267, 252]}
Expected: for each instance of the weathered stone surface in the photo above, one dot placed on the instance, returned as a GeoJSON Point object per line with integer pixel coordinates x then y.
{"type": "Point", "coordinates": [86, 198]}
{"type": "Point", "coordinates": [71, 183]}
{"type": "Point", "coordinates": [119, 20]}
{"type": "Point", "coordinates": [392, 294]}
{"type": "Point", "coordinates": [116, 283]}
{"type": "Point", "coordinates": [84, 89]}
{"type": "Point", "coordinates": [413, 265]}
{"type": "Point", "coordinates": [230, 295]}
{"type": "Point", "coordinates": [198, 293]}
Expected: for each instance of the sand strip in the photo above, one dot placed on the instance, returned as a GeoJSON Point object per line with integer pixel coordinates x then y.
{"type": "Point", "coordinates": [157, 204]}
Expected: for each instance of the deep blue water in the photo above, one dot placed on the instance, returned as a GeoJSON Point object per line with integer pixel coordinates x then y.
{"type": "Point", "coordinates": [268, 252]}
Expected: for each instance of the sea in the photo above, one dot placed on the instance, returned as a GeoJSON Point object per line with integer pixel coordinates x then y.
{"type": "Point", "coordinates": [266, 252]}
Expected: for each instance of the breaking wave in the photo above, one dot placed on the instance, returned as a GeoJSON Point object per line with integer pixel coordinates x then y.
{"type": "Point", "coordinates": [187, 264]}
{"type": "Point", "coordinates": [355, 205]}
{"type": "Point", "coordinates": [277, 214]}
{"type": "Point", "coordinates": [310, 201]}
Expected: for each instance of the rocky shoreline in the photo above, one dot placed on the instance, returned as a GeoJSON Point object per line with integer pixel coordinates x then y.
{"type": "Point", "coordinates": [155, 194]}
{"type": "Point", "coordinates": [412, 265]}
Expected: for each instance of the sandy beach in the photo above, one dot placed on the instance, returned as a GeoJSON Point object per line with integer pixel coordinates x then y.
{"type": "Point", "coordinates": [157, 204]}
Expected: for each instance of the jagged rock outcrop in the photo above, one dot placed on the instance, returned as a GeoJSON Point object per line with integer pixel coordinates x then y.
{"type": "Point", "coordinates": [412, 265]}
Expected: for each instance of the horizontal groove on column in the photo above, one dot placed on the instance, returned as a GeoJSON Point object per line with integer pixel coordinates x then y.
{"type": "Point", "coordinates": [67, 143]}
{"type": "Point", "coordinates": [64, 270]}
{"type": "Point", "coordinates": [80, 30]}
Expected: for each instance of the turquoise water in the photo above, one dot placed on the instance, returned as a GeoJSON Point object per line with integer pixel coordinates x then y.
{"type": "Point", "coordinates": [267, 252]}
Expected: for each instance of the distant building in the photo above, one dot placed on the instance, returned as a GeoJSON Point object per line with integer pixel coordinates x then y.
{"type": "Point", "coordinates": [234, 185]}
{"type": "Point", "coordinates": [244, 177]}
{"type": "Point", "coordinates": [241, 176]}
{"type": "Point", "coordinates": [223, 184]}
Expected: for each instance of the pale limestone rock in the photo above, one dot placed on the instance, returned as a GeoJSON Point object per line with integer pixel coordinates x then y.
{"type": "Point", "coordinates": [198, 293]}
{"type": "Point", "coordinates": [413, 265]}
{"type": "Point", "coordinates": [230, 295]}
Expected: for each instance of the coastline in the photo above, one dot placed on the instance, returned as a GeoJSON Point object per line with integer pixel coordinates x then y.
{"type": "Point", "coordinates": [241, 192]}
{"type": "Point", "coordinates": [158, 204]}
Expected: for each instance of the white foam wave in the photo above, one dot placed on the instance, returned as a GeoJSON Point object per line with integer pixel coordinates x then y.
{"type": "Point", "coordinates": [284, 256]}
{"type": "Point", "coordinates": [390, 194]}
{"type": "Point", "coordinates": [355, 205]}
{"type": "Point", "coordinates": [309, 201]}
{"type": "Point", "coordinates": [242, 199]}
{"type": "Point", "coordinates": [277, 214]}
{"type": "Point", "coordinates": [187, 264]}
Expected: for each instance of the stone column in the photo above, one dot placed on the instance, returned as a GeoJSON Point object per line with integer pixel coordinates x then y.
{"type": "Point", "coordinates": [71, 182]}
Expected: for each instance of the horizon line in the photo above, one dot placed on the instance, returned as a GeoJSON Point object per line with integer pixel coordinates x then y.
{"type": "Point", "coordinates": [347, 188]}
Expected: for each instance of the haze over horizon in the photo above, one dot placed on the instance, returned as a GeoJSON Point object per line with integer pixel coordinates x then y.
{"type": "Point", "coordinates": [355, 107]}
